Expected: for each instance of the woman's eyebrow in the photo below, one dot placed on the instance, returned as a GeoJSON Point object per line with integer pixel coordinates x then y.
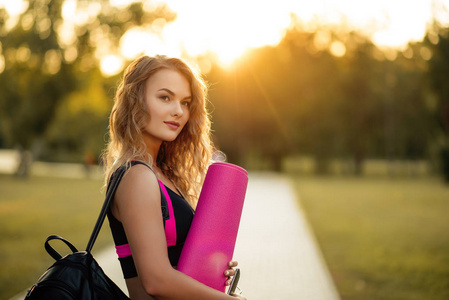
{"type": "Point", "coordinates": [172, 93]}
{"type": "Point", "coordinates": [167, 90]}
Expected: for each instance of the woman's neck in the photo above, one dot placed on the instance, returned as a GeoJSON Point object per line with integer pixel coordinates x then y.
{"type": "Point", "coordinates": [153, 147]}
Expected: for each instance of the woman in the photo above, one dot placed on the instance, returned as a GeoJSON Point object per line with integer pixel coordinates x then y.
{"type": "Point", "coordinates": [159, 118]}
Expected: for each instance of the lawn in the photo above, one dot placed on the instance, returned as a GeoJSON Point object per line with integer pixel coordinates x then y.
{"type": "Point", "coordinates": [32, 209]}
{"type": "Point", "coordinates": [381, 238]}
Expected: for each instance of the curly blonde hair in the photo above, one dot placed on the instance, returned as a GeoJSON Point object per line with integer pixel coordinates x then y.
{"type": "Point", "coordinates": [185, 160]}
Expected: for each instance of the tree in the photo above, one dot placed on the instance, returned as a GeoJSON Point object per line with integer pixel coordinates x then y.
{"type": "Point", "coordinates": [300, 98]}
{"type": "Point", "coordinates": [42, 66]}
{"type": "Point", "coordinates": [438, 41]}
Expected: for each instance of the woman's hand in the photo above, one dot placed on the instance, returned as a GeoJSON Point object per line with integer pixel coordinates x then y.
{"type": "Point", "coordinates": [230, 272]}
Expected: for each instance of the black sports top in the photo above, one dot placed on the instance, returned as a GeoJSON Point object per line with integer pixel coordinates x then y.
{"type": "Point", "coordinates": [176, 230]}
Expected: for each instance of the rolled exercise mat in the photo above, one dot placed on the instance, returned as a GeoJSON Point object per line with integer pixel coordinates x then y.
{"type": "Point", "coordinates": [210, 243]}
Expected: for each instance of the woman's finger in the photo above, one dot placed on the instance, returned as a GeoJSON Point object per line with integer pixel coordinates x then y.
{"type": "Point", "coordinates": [230, 272]}
{"type": "Point", "coordinates": [233, 263]}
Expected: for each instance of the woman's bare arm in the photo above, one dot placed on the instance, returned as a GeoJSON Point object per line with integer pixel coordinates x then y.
{"type": "Point", "coordinates": [138, 206]}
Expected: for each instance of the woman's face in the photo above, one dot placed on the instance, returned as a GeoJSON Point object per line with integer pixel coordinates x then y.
{"type": "Point", "coordinates": [167, 97]}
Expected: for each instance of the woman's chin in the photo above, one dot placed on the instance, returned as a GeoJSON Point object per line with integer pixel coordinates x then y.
{"type": "Point", "coordinates": [170, 138]}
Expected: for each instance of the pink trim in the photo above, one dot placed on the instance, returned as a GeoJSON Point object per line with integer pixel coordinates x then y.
{"type": "Point", "coordinates": [123, 250]}
{"type": "Point", "coordinates": [170, 228]}
{"type": "Point", "coordinates": [170, 223]}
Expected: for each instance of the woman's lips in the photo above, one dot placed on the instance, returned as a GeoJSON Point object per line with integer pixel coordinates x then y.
{"type": "Point", "coordinates": [172, 124]}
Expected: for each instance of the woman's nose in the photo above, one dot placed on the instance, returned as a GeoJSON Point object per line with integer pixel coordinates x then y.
{"type": "Point", "coordinates": [177, 109]}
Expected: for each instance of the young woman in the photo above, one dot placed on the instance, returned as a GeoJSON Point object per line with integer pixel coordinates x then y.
{"type": "Point", "coordinates": [159, 129]}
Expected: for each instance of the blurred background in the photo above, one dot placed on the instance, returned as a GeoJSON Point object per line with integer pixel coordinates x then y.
{"type": "Point", "coordinates": [349, 99]}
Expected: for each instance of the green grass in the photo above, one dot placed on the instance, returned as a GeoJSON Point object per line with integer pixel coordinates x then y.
{"type": "Point", "coordinates": [32, 209]}
{"type": "Point", "coordinates": [381, 238]}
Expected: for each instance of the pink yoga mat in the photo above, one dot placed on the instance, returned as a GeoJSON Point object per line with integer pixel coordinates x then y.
{"type": "Point", "coordinates": [211, 240]}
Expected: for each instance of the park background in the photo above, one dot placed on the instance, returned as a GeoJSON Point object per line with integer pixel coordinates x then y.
{"type": "Point", "coordinates": [353, 109]}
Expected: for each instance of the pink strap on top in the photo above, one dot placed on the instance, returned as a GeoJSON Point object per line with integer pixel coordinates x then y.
{"type": "Point", "coordinates": [170, 224]}
{"type": "Point", "coordinates": [123, 250]}
{"type": "Point", "coordinates": [170, 228]}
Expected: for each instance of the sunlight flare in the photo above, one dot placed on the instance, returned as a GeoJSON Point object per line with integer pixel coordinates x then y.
{"type": "Point", "coordinates": [111, 65]}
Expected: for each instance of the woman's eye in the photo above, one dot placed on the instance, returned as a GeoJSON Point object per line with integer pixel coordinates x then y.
{"type": "Point", "coordinates": [186, 104]}
{"type": "Point", "coordinates": [165, 98]}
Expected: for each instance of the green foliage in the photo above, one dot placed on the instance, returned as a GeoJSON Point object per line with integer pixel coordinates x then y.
{"type": "Point", "coordinates": [439, 78]}
{"type": "Point", "coordinates": [439, 75]}
{"type": "Point", "coordinates": [42, 70]}
{"type": "Point", "coordinates": [35, 77]}
{"type": "Point", "coordinates": [300, 98]}
{"type": "Point", "coordinates": [81, 116]}
{"type": "Point", "coordinates": [33, 209]}
{"type": "Point", "coordinates": [381, 238]}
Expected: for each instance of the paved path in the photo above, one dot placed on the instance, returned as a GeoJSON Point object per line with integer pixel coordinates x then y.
{"type": "Point", "coordinates": [277, 254]}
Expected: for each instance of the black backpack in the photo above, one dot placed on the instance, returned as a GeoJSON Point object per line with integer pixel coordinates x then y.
{"type": "Point", "coordinates": [78, 276]}
{"type": "Point", "coordinates": [74, 276]}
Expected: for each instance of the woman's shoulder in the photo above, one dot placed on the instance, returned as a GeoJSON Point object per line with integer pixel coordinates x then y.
{"type": "Point", "coordinates": [141, 173]}
{"type": "Point", "coordinates": [137, 193]}
{"type": "Point", "coordinates": [138, 179]}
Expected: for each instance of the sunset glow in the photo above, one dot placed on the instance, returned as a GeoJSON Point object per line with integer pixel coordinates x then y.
{"type": "Point", "coordinates": [228, 29]}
